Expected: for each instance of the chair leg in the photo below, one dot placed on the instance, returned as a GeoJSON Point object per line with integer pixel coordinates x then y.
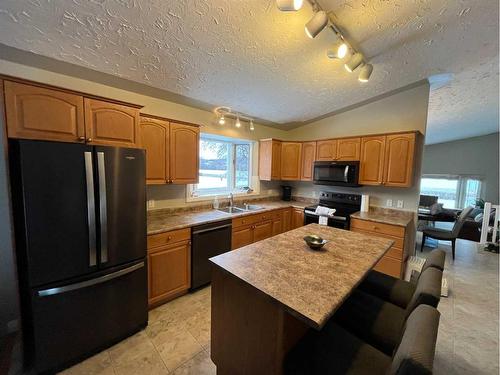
{"type": "Point", "coordinates": [423, 243]}
{"type": "Point", "coordinates": [453, 248]}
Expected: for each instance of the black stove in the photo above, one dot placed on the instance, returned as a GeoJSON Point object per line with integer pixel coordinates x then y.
{"type": "Point", "coordinates": [344, 204]}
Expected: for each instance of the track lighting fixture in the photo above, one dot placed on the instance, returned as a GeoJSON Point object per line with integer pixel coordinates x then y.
{"type": "Point", "coordinates": [252, 128]}
{"type": "Point", "coordinates": [316, 24]}
{"type": "Point", "coordinates": [338, 51]}
{"type": "Point", "coordinates": [289, 5]}
{"type": "Point", "coordinates": [366, 72]}
{"type": "Point", "coordinates": [222, 120]}
{"type": "Point", "coordinates": [354, 62]}
{"type": "Point", "coordinates": [237, 123]}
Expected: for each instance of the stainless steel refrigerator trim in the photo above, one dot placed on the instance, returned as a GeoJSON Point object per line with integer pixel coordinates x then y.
{"type": "Point", "coordinates": [89, 176]}
{"type": "Point", "coordinates": [84, 284]}
{"type": "Point", "coordinates": [101, 167]}
{"type": "Point", "coordinates": [211, 229]}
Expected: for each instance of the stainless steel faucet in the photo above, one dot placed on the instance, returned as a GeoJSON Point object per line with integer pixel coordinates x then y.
{"type": "Point", "coordinates": [231, 200]}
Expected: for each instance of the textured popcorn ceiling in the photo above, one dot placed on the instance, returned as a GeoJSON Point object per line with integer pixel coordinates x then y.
{"type": "Point", "coordinates": [250, 56]}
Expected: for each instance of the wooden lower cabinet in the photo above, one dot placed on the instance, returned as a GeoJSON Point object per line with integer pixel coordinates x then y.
{"type": "Point", "coordinates": [262, 231]}
{"type": "Point", "coordinates": [287, 219]}
{"type": "Point", "coordinates": [297, 218]}
{"type": "Point", "coordinates": [169, 266]}
{"type": "Point", "coordinates": [393, 263]}
{"type": "Point", "coordinates": [242, 236]}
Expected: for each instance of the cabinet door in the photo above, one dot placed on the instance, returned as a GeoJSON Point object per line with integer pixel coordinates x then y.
{"type": "Point", "coordinates": [111, 124]}
{"type": "Point", "coordinates": [308, 157]}
{"type": "Point", "coordinates": [38, 113]}
{"type": "Point", "coordinates": [287, 219]}
{"type": "Point", "coordinates": [276, 160]}
{"type": "Point", "coordinates": [348, 149]}
{"type": "Point", "coordinates": [326, 150]}
{"type": "Point", "coordinates": [277, 226]}
{"type": "Point", "coordinates": [262, 231]}
{"type": "Point", "coordinates": [184, 153]}
{"type": "Point", "coordinates": [169, 272]}
{"type": "Point", "coordinates": [154, 139]}
{"type": "Point", "coordinates": [399, 153]}
{"type": "Point", "coordinates": [290, 160]}
{"type": "Point", "coordinates": [372, 160]}
{"type": "Point", "coordinates": [298, 218]}
{"type": "Point", "coordinates": [241, 237]}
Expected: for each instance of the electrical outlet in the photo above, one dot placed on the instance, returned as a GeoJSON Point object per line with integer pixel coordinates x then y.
{"type": "Point", "coordinates": [400, 204]}
{"type": "Point", "coordinates": [151, 203]}
{"type": "Point", "coordinates": [389, 203]}
{"type": "Point", "coordinates": [315, 194]}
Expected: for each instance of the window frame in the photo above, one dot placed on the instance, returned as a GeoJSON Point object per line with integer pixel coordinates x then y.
{"type": "Point", "coordinates": [461, 192]}
{"type": "Point", "coordinates": [192, 193]}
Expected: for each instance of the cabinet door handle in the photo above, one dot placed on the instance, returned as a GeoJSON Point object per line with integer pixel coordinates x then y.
{"type": "Point", "coordinates": [81, 139]}
{"type": "Point", "coordinates": [89, 139]}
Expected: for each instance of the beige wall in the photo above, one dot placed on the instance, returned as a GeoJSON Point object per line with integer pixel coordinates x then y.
{"type": "Point", "coordinates": [406, 110]}
{"type": "Point", "coordinates": [164, 196]}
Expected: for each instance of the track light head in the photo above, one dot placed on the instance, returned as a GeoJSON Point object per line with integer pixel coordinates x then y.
{"type": "Point", "coordinates": [366, 72]}
{"type": "Point", "coordinates": [338, 51]}
{"type": "Point", "coordinates": [222, 120]}
{"type": "Point", "coordinates": [354, 62]}
{"type": "Point", "coordinates": [237, 123]}
{"type": "Point", "coordinates": [289, 5]}
{"type": "Point", "coordinates": [316, 24]}
{"type": "Point", "coordinates": [252, 127]}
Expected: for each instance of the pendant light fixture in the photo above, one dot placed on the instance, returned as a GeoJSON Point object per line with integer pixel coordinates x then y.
{"type": "Point", "coordinates": [316, 24]}
{"type": "Point", "coordinates": [365, 73]}
{"type": "Point", "coordinates": [354, 62]}
{"type": "Point", "coordinates": [338, 51]}
{"type": "Point", "coordinates": [289, 5]}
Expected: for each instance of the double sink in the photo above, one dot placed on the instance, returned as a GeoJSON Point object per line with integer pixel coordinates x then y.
{"type": "Point", "coordinates": [238, 209]}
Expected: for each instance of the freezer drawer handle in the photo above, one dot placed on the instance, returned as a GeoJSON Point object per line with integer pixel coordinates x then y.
{"type": "Point", "coordinates": [103, 206]}
{"type": "Point", "coordinates": [84, 284]}
{"type": "Point", "coordinates": [211, 229]}
{"type": "Point", "coordinates": [89, 176]}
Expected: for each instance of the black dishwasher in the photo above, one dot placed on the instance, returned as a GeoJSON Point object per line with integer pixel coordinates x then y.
{"type": "Point", "coordinates": [208, 240]}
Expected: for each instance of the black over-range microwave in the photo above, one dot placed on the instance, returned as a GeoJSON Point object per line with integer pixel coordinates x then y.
{"type": "Point", "coordinates": [338, 173]}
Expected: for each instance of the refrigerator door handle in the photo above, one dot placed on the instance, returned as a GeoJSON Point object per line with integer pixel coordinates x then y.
{"type": "Point", "coordinates": [84, 284]}
{"type": "Point", "coordinates": [89, 177]}
{"type": "Point", "coordinates": [101, 166]}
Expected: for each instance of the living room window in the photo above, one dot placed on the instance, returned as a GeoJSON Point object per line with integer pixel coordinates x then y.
{"type": "Point", "coordinates": [225, 166]}
{"type": "Point", "coordinates": [452, 191]}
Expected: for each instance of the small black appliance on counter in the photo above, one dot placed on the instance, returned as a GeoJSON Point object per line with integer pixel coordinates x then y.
{"type": "Point", "coordinates": [287, 193]}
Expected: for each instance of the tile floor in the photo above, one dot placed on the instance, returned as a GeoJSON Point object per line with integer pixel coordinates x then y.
{"type": "Point", "coordinates": [177, 338]}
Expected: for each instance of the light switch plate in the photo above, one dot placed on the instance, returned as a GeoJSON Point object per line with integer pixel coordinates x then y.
{"type": "Point", "coordinates": [151, 203]}
{"type": "Point", "coordinates": [400, 204]}
{"type": "Point", "coordinates": [389, 203]}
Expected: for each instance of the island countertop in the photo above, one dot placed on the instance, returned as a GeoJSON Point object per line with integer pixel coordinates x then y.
{"type": "Point", "coordinates": [311, 285]}
{"type": "Point", "coordinates": [386, 216]}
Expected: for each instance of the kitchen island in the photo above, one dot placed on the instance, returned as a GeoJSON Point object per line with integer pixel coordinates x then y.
{"type": "Point", "coordinates": [266, 295]}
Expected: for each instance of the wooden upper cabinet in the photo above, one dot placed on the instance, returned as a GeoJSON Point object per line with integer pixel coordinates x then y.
{"type": "Point", "coordinates": [372, 160]}
{"type": "Point", "coordinates": [269, 159]}
{"type": "Point", "coordinates": [326, 150]}
{"type": "Point", "coordinates": [155, 140]}
{"type": "Point", "coordinates": [399, 155]}
{"type": "Point", "coordinates": [291, 160]}
{"type": "Point", "coordinates": [39, 113]}
{"type": "Point", "coordinates": [184, 153]}
{"type": "Point", "coordinates": [308, 157]}
{"type": "Point", "coordinates": [348, 149]}
{"type": "Point", "coordinates": [111, 124]}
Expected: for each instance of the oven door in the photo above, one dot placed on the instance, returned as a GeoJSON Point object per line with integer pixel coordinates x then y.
{"type": "Point", "coordinates": [336, 222]}
{"type": "Point", "coordinates": [336, 173]}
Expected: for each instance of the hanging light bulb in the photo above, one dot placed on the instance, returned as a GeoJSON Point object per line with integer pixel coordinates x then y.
{"type": "Point", "coordinates": [237, 123]}
{"type": "Point", "coordinates": [222, 120]}
{"type": "Point", "coordinates": [252, 128]}
{"type": "Point", "coordinates": [366, 72]}
{"type": "Point", "coordinates": [289, 5]}
{"type": "Point", "coordinates": [317, 23]}
{"type": "Point", "coordinates": [338, 51]}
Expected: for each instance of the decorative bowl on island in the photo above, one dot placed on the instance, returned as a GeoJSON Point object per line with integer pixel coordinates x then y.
{"type": "Point", "coordinates": [315, 242]}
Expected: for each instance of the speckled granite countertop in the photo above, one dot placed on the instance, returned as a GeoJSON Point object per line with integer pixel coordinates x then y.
{"type": "Point", "coordinates": [311, 285]}
{"type": "Point", "coordinates": [164, 221]}
{"type": "Point", "coordinates": [386, 216]}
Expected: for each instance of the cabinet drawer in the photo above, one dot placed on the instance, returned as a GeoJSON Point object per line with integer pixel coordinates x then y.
{"type": "Point", "coordinates": [251, 219]}
{"type": "Point", "coordinates": [389, 266]}
{"type": "Point", "coordinates": [166, 238]}
{"type": "Point", "coordinates": [398, 241]}
{"type": "Point", "coordinates": [371, 226]}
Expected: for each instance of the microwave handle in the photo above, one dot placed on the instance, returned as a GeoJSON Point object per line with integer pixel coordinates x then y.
{"type": "Point", "coordinates": [346, 172]}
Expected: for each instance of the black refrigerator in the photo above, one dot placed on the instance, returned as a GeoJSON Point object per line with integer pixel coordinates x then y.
{"type": "Point", "coordinates": [80, 225]}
